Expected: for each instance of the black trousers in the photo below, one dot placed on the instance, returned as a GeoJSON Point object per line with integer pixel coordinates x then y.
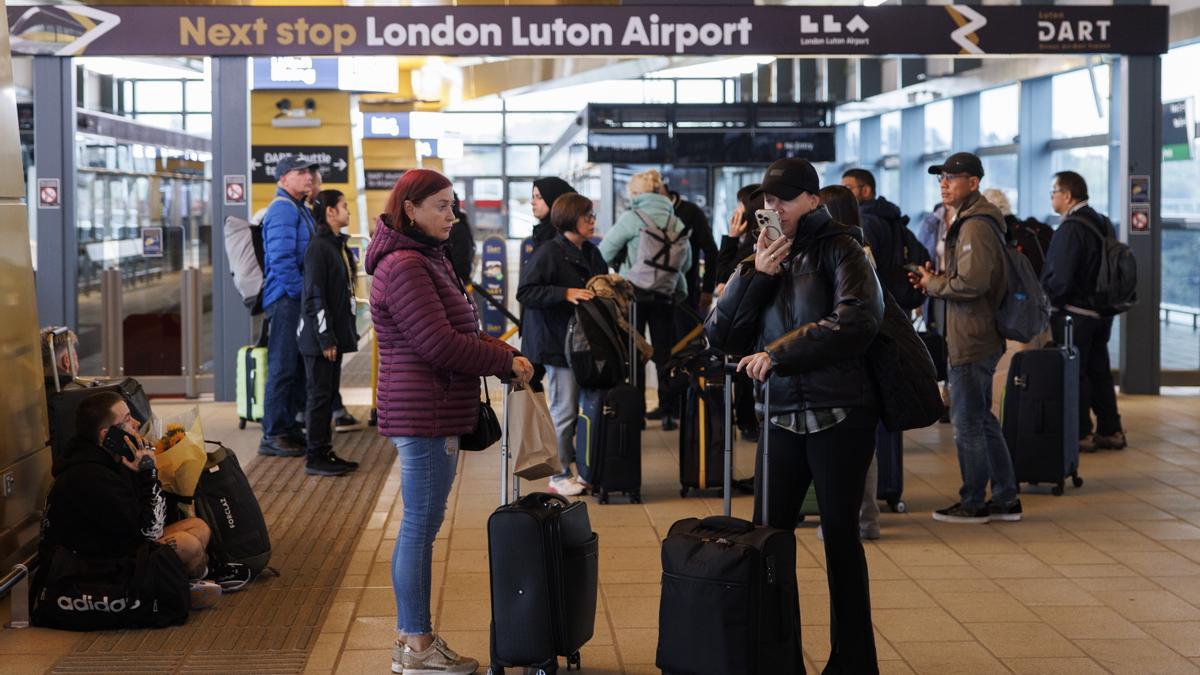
{"type": "Point", "coordinates": [322, 379]}
{"type": "Point", "coordinates": [660, 316]}
{"type": "Point", "coordinates": [1097, 391]}
{"type": "Point", "coordinates": [836, 462]}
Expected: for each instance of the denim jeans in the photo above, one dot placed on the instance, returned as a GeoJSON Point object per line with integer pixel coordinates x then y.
{"type": "Point", "coordinates": [285, 369]}
{"type": "Point", "coordinates": [562, 392]}
{"type": "Point", "coordinates": [427, 467]}
{"type": "Point", "coordinates": [982, 453]}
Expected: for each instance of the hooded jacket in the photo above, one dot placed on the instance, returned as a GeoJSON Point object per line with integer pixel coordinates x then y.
{"type": "Point", "coordinates": [550, 188]}
{"type": "Point", "coordinates": [880, 220]}
{"type": "Point", "coordinates": [98, 507]}
{"type": "Point", "coordinates": [703, 244]}
{"type": "Point", "coordinates": [328, 318]}
{"type": "Point", "coordinates": [553, 269]}
{"type": "Point", "coordinates": [431, 351]}
{"type": "Point", "coordinates": [621, 242]}
{"type": "Point", "coordinates": [815, 319]}
{"type": "Point", "coordinates": [974, 281]}
{"type": "Point", "coordinates": [287, 228]}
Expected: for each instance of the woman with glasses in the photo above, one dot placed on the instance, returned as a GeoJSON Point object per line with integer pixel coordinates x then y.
{"type": "Point", "coordinates": [552, 283]}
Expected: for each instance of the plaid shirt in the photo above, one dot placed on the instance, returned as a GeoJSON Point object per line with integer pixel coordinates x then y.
{"type": "Point", "coordinates": [810, 421]}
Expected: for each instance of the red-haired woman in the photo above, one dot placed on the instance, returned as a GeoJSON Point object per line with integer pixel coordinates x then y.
{"type": "Point", "coordinates": [431, 356]}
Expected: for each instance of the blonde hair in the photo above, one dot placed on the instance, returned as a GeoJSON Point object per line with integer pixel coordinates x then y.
{"type": "Point", "coordinates": [646, 181]}
{"type": "Point", "coordinates": [999, 200]}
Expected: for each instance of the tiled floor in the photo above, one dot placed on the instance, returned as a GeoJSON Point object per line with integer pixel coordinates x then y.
{"type": "Point", "coordinates": [1103, 579]}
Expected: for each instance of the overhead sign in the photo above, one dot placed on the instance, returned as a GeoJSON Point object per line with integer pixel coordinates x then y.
{"type": "Point", "coordinates": [382, 179]}
{"type": "Point", "coordinates": [334, 160]}
{"type": "Point", "coordinates": [1177, 130]}
{"type": "Point", "coordinates": [356, 73]}
{"type": "Point", "coordinates": [72, 30]}
{"type": "Point", "coordinates": [385, 125]}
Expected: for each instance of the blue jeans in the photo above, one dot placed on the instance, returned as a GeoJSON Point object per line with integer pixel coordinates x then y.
{"type": "Point", "coordinates": [426, 473]}
{"type": "Point", "coordinates": [982, 453]}
{"type": "Point", "coordinates": [562, 390]}
{"type": "Point", "coordinates": [285, 369]}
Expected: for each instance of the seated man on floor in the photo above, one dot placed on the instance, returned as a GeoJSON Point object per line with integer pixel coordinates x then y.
{"type": "Point", "coordinates": [106, 500]}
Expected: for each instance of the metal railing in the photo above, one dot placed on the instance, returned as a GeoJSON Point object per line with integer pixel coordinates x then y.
{"type": "Point", "coordinates": [16, 585]}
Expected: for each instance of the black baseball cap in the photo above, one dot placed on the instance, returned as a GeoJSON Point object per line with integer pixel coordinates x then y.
{"type": "Point", "coordinates": [959, 162]}
{"type": "Point", "coordinates": [291, 163]}
{"type": "Point", "coordinates": [788, 178]}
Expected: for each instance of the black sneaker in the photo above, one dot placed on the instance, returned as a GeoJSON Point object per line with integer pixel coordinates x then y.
{"type": "Point", "coordinates": [231, 576]}
{"type": "Point", "coordinates": [280, 446]}
{"type": "Point", "coordinates": [346, 422]}
{"type": "Point", "coordinates": [1113, 441]}
{"type": "Point", "coordinates": [1010, 513]}
{"type": "Point", "coordinates": [373, 421]}
{"type": "Point", "coordinates": [958, 514]}
{"type": "Point", "coordinates": [298, 437]}
{"type": "Point", "coordinates": [669, 423]}
{"type": "Point", "coordinates": [323, 466]}
{"type": "Point", "coordinates": [332, 457]}
{"type": "Point", "coordinates": [655, 414]}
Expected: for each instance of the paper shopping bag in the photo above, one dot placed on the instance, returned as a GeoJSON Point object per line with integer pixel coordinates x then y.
{"type": "Point", "coordinates": [531, 435]}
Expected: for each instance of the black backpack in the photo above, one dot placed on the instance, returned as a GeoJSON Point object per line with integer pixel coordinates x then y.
{"type": "Point", "coordinates": [1116, 283]}
{"type": "Point", "coordinates": [226, 502]}
{"type": "Point", "coordinates": [595, 349]}
{"type": "Point", "coordinates": [906, 250]}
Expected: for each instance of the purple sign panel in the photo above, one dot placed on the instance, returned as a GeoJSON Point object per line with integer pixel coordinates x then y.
{"type": "Point", "coordinates": [72, 30]}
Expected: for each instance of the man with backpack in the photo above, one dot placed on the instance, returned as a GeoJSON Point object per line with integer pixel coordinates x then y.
{"type": "Point", "coordinates": [287, 228]}
{"type": "Point", "coordinates": [886, 231]}
{"type": "Point", "coordinates": [973, 285]}
{"type": "Point", "coordinates": [1071, 277]}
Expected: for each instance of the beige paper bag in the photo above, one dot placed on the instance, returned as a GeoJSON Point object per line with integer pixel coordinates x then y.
{"type": "Point", "coordinates": [531, 436]}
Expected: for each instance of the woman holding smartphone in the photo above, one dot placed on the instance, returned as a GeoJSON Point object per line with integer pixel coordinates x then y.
{"type": "Point", "coordinates": [806, 309]}
{"type": "Point", "coordinates": [431, 358]}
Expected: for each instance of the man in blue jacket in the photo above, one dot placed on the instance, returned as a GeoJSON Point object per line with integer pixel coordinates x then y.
{"type": "Point", "coordinates": [287, 228]}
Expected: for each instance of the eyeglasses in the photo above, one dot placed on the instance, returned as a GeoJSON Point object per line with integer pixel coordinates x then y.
{"type": "Point", "coordinates": [1056, 191]}
{"type": "Point", "coordinates": [590, 215]}
{"type": "Point", "coordinates": [947, 177]}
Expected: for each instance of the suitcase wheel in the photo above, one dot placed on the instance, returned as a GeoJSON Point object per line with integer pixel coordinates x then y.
{"type": "Point", "coordinates": [898, 506]}
{"type": "Point", "coordinates": [603, 496]}
{"type": "Point", "coordinates": [635, 497]}
{"type": "Point", "coordinates": [683, 491]}
{"type": "Point", "coordinates": [495, 670]}
{"type": "Point", "coordinates": [574, 662]}
{"type": "Point", "coordinates": [1057, 490]}
{"type": "Point", "coordinates": [1077, 481]}
{"type": "Point", "coordinates": [241, 422]}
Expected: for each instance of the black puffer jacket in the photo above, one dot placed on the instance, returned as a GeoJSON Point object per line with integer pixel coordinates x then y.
{"type": "Point", "coordinates": [554, 268]}
{"type": "Point", "coordinates": [329, 306]}
{"type": "Point", "coordinates": [815, 319]}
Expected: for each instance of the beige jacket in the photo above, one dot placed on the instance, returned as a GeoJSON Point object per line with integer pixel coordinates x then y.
{"type": "Point", "coordinates": [974, 282]}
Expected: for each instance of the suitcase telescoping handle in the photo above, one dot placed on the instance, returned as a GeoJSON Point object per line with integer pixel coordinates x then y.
{"type": "Point", "coordinates": [1069, 334]}
{"type": "Point", "coordinates": [730, 367]}
{"type": "Point", "coordinates": [766, 451]}
{"type": "Point", "coordinates": [505, 474]}
{"type": "Point", "coordinates": [633, 354]}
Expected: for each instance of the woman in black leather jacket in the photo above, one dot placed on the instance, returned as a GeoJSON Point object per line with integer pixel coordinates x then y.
{"type": "Point", "coordinates": [806, 310]}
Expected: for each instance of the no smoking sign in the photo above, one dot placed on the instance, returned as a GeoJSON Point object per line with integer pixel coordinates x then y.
{"type": "Point", "coordinates": [49, 195]}
{"type": "Point", "coordinates": [235, 190]}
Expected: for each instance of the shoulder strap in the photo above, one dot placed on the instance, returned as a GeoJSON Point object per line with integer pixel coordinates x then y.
{"type": "Point", "coordinates": [1096, 228]}
{"type": "Point", "coordinates": [312, 231]}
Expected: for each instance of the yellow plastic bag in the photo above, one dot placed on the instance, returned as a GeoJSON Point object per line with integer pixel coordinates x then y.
{"type": "Point", "coordinates": [180, 454]}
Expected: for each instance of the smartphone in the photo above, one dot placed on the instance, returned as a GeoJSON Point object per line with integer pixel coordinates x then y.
{"type": "Point", "coordinates": [114, 442]}
{"type": "Point", "coordinates": [912, 267]}
{"type": "Point", "coordinates": [768, 222]}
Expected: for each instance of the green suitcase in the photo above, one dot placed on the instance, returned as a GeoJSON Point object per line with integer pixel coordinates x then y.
{"type": "Point", "coordinates": [251, 384]}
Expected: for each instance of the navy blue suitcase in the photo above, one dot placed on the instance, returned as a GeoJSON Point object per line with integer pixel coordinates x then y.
{"type": "Point", "coordinates": [889, 458]}
{"type": "Point", "coordinates": [608, 440]}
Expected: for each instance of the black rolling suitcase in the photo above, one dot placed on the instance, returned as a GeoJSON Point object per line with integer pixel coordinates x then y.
{"type": "Point", "coordinates": [608, 435]}
{"type": "Point", "coordinates": [64, 402]}
{"type": "Point", "coordinates": [729, 598]}
{"type": "Point", "coordinates": [705, 424]}
{"type": "Point", "coordinates": [544, 563]}
{"type": "Point", "coordinates": [1040, 415]}
{"type": "Point", "coordinates": [889, 458]}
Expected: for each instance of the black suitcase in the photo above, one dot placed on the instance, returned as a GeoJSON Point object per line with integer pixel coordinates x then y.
{"type": "Point", "coordinates": [226, 502]}
{"type": "Point", "coordinates": [704, 425]}
{"type": "Point", "coordinates": [544, 565]}
{"type": "Point", "coordinates": [889, 458]}
{"type": "Point", "coordinates": [1040, 414]}
{"type": "Point", "coordinates": [64, 403]}
{"type": "Point", "coordinates": [729, 601]}
{"type": "Point", "coordinates": [608, 434]}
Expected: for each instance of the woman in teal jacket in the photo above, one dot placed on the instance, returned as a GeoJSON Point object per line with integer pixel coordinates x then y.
{"type": "Point", "coordinates": [620, 249]}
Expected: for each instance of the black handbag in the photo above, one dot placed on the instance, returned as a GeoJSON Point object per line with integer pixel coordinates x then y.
{"type": "Point", "coordinates": [487, 428]}
{"type": "Point", "coordinates": [904, 374]}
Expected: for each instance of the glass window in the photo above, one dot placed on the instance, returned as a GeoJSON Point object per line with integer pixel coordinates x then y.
{"type": "Point", "coordinates": [1000, 172]}
{"type": "Point", "coordinates": [159, 96]}
{"type": "Point", "coordinates": [523, 160]}
{"type": "Point", "coordinates": [537, 127]}
{"type": "Point", "coordinates": [933, 190]}
{"type": "Point", "coordinates": [699, 91]}
{"type": "Point", "coordinates": [200, 125]}
{"type": "Point", "coordinates": [853, 136]}
{"type": "Point", "coordinates": [162, 121]}
{"type": "Point", "coordinates": [520, 214]}
{"type": "Point", "coordinates": [889, 183]}
{"type": "Point", "coordinates": [939, 125]}
{"type": "Point", "coordinates": [1181, 220]}
{"type": "Point", "coordinates": [1092, 164]}
{"type": "Point", "coordinates": [1074, 103]}
{"type": "Point", "coordinates": [999, 112]}
{"type": "Point", "coordinates": [477, 160]}
{"type": "Point", "coordinates": [658, 91]}
{"type": "Point", "coordinates": [889, 133]}
{"type": "Point", "coordinates": [473, 127]}
{"type": "Point", "coordinates": [199, 96]}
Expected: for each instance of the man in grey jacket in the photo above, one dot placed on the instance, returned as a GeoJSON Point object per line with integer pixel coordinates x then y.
{"type": "Point", "coordinates": [972, 285]}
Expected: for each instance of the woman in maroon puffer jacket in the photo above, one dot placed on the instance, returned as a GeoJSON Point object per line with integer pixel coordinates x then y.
{"type": "Point", "coordinates": [431, 357]}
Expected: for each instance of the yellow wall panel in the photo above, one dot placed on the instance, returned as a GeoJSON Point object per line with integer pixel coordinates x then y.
{"type": "Point", "coordinates": [332, 108]}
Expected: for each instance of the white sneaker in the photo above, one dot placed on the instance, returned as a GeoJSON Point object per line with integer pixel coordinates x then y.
{"type": "Point", "coordinates": [567, 487]}
{"type": "Point", "coordinates": [437, 659]}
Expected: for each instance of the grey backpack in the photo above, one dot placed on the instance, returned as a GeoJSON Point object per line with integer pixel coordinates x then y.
{"type": "Point", "coordinates": [660, 255]}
